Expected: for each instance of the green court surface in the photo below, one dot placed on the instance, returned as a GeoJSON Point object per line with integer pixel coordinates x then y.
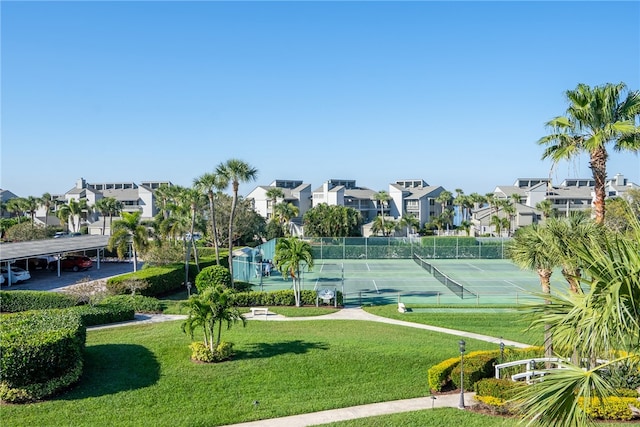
{"type": "Point", "coordinates": [387, 281]}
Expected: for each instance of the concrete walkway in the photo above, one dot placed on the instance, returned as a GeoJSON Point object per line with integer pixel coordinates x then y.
{"type": "Point", "coordinates": [362, 411]}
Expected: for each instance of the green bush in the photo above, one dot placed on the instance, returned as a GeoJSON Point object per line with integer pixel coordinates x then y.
{"type": "Point", "coordinates": [162, 280]}
{"type": "Point", "coordinates": [438, 376]}
{"type": "Point", "coordinates": [500, 388]}
{"type": "Point", "coordinates": [213, 276]}
{"type": "Point", "coordinates": [103, 314]}
{"type": "Point", "coordinates": [609, 408]}
{"type": "Point", "coordinates": [476, 367]}
{"type": "Point", "coordinates": [201, 353]}
{"type": "Point", "coordinates": [15, 301]}
{"type": "Point", "coordinates": [137, 303]}
{"type": "Point", "coordinates": [278, 298]}
{"type": "Point", "coordinates": [40, 353]}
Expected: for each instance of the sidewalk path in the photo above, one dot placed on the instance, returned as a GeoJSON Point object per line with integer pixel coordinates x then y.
{"type": "Point", "coordinates": [362, 411]}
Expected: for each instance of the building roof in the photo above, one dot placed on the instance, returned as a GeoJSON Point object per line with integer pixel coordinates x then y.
{"type": "Point", "coordinates": [40, 248]}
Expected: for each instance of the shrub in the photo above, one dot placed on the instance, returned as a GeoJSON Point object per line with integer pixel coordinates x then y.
{"type": "Point", "coordinates": [477, 365]}
{"type": "Point", "coordinates": [103, 314]}
{"type": "Point", "coordinates": [202, 353]}
{"type": "Point", "coordinates": [161, 279]}
{"type": "Point", "coordinates": [15, 301]}
{"type": "Point", "coordinates": [213, 276]}
{"type": "Point", "coordinates": [499, 388]}
{"type": "Point", "coordinates": [439, 375]}
{"type": "Point", "coordinates": [137, 303]}
{"type": "Point", "coordinates": [609, 408]}
{"type": "Point", "coordinates": [40, 353]}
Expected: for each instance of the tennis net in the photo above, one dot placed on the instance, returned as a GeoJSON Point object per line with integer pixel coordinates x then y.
{"type": "Point", "coordinates": [451, 284]}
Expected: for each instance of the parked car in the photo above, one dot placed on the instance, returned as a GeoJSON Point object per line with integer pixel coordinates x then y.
{"type": "Point", "coordinates": [32, 263]}
{"type": "Point", "coordinates": [72, 262]}
{"type": "Point", "coordinates": [17, 274]}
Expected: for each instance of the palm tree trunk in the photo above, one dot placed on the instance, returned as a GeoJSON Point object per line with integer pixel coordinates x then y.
{"type": "Point", "coordinates": [214, 228]}
{"type": "Point", "coordinates": [545, 282]}
{"type": "Point", "coordinates": [598, 165]}
{"type": "Point", "coordinates": [233, 212]}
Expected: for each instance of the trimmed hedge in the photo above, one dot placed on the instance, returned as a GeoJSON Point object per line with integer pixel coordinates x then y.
{"type": "Point", "coordinates": [40, 353]}
{"type": "Point", "coordinates": [478, 365]}
{"type": "Point", "coordinates": [103, 314]}
{"type": "Point", "coordinates": [137, 303]}
{"type": "Point", "coordinates": [15, 301]}
{"type": "Point", "coordinates": [276, 298]}
{"type": "Point", "coordinates": [503, 389]}
{"type": "Point", "coordinates": [212, 276]}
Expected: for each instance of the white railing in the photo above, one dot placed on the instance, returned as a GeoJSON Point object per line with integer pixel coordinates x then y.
{"type": "Point", "coordinates": [529, 364]}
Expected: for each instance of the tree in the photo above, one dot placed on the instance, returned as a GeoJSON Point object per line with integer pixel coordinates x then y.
{"type": "Point", "coordinates": [604, 322]}
{"type": "Point", "coordinates": [211, 184]}
{"type": "Point", "coordinates": [546, 206]}
{"type": "Point", "coordinates": [129, 232]}
{"type": "Point", "coordinates": [382, 199]}
{"type": "Point", "coordinates": [531, 249]}
{"type": "Point", "coordinates": [291, 256]}
{"type": "Point", "coordinates": [444, 198]}
{"type": "Point", "coordinates": [597, 116]}
{"type": "Point", "coordinates": [284, 213]}
{"type": "Point", "coordinates": [273, 193]}
{"type": "Point", "coordinates": [31, 206]}
{"type": "Point", "coordinates": [410, 222]}
{"type": "Point", "coordinates": [234, 172]}
{"type": "Point", "coordinates": [192, 199]}
{"type": "Point", "coordinates": [46, 201]}
{"type": "Point", "coordinates": [209, 310]}
{"type": "Point", "coordinates": [108, 206]}
{"type": "Point", "coordinates": [73, 212]}
{"type": "Point", "coordinates": [326, 220]}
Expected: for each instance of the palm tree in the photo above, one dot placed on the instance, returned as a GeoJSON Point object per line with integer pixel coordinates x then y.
{"type": "Point", "coordinates": [291, 254]}
{"type": "Point", "coordinates": [546, 206]}
{"type": "Point", "coordinates": [410, 222]}
{"type": "Point", "coordinates": [192, 199]}
{"type": "Point", "coordinates": [382, 199]}
{"type": "Point", "coordinates": [605, 322]}
{"type": "Point", "coordinates": [211, 183]}
{"type": "Point", "coordinates": [31, 206]}
{"type": "Point", "coordinates": [595, 118]}
{"type": "Point", "coordinates": [211, 308]}
{"type": "Point", "coordinates": [129, 232]}
{"type": "Point", "coordinates": [273, 193]}
{"type": "Point", "coordinates": [46, 201]}
{"type": "Point", "coordinates": [531, 249]}
{"type": "Point", "coordinates": [234, 171]}
{"type": "Point", "coordinates": [284, 213]}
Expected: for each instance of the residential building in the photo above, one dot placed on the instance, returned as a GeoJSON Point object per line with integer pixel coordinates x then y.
{"type": "Point", "coordinates": [345, 192]}
{"type": "Point", "coordinates": [415, 197]}
{"type": "Point", "coordinates": [295, 192]}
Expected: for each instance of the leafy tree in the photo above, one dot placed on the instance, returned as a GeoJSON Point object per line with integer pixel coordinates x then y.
{"type": "Point", "coordinates": [213, 276]}
{"type": "Point", "coordinates": [233, 172]}
{"type": "Point", "coordinates": [24, 231]}
{"type": "Point", "coordinates": [291, 256]}
{"type": "Point", "coordinates": [597, 116]}
{"type": "Point", "coordinates": [129, 232]}
{"type": "Point", "coordinates": [326, 220]}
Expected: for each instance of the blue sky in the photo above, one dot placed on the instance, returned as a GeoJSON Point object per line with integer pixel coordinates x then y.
{"type": "Point", "coordinates": [455, 93]}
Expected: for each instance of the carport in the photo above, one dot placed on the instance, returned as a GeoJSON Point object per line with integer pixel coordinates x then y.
{"type": "Point", "coordinates": [11, 252]}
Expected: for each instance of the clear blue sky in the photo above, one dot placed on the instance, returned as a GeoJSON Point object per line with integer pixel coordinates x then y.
{"type": "Point", "coordinates": [455, 93]}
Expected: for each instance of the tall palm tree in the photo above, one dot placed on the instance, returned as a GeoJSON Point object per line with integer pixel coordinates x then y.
{"type": "Point", "coordinates": [291, 255]}
{"type": "Point", "coordinates": [531, 249]}
{"type": "Point", "coordinates": [382, 199]}
{"type": "Point", "coordinates": [273, 194]}
{"type": "Point", "coordinates": [129, 232]}
{"type": "Point", "coordinates": [410, 222]}
{"type": "Point", "coordinates": [233, 172]}
{"type": "Point", "coordinates": [31, 206]}
{"type": "Point", "coordinates": [46, 201]}
{"type": "Point", "coordinates": [211, 184]}
{"type": "Point", "coordinates": [597, 116]}
{"type": "Point", "coordinates": [192, 199]}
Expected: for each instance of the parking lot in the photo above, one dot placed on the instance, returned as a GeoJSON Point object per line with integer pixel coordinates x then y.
{"type": "Point", "coordinates": [46, 280]}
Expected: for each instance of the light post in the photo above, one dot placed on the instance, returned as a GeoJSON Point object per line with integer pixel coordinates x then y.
{"type": "Point", "coordinates": [501, 351]}
{"type": "Point", "coordinates": [462, 344]}
{"type": "Point", "coordinates": [187, 256]}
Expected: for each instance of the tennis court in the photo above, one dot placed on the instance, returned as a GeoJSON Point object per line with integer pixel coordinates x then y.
{"type": "Point", "coordinates": [386, 281]}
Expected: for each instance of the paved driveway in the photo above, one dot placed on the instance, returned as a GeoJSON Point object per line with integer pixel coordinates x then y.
{"type": "Point", "coordinates": [45, 280]}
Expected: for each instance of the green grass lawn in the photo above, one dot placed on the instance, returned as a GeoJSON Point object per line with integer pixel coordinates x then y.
{"type": "Point", "coordinates": [511, 325]}
{"type": "Point", "coordinates": [142, 375]}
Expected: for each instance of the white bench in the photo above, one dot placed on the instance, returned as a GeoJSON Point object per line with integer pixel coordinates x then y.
{"type": "Point", "coordinates": [259, 310]}
{"type": "Point", "coordinates": [402, 308]}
